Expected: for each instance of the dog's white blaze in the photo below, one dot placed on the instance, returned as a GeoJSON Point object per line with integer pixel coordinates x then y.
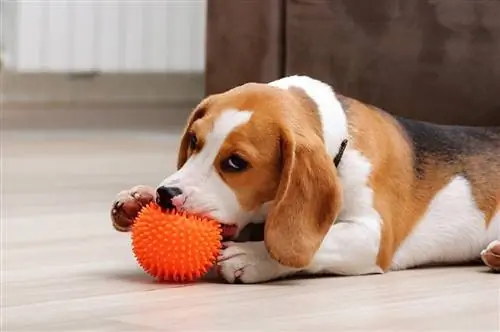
{"type": "Point", "coordinates": [452, 231]}
{"type": "Point", "coordinates": [333, 118]}
{"type": "Point", "coordinates": [203, 189]}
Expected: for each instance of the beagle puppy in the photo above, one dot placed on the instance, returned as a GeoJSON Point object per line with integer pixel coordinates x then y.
{"type": "Point", "coordinates": [342, 187]}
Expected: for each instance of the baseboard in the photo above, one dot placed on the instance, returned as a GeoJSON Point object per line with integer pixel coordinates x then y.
{"type": "Point", "coordinates": [114, 101]}
{"type": "Point", "coordinates": [101, 88]}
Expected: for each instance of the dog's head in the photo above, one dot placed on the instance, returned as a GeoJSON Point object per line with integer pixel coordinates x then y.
{"type": "Point", "coordinates": [258, 150]}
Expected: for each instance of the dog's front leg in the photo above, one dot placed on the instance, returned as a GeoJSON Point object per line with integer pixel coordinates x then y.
{"type": "Point", "coordinates": [349, 248]}
{"type": "Point", "coordinates": [249, 262]}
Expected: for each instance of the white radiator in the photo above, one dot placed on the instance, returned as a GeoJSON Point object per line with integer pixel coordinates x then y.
{"type": "Point", "coordinates": [120, 36]}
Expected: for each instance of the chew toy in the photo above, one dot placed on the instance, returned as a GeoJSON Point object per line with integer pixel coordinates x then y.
{"type": "Point", "coordinates": [174, 246]}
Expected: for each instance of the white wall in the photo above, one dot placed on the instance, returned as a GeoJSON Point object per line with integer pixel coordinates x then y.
{"type": "Point", "coordinates": [114, 36]}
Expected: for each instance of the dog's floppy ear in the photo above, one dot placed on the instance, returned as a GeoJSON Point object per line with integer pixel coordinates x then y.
{"type": "Point", "coordinates": [307, 202]}
{"type": "Point", "coordinates": [198, 113]}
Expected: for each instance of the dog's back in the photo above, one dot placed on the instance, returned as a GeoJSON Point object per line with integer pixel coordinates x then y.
{"type": "Point", "coordinates": [459, 147]}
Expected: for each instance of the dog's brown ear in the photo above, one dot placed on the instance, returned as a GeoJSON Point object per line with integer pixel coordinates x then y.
{"type": "Point", "coordinates": [307, 202]}
{"type": "Point", "coordinates": [198, 113]}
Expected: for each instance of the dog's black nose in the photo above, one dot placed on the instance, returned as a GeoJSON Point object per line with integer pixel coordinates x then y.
{"type": "Point", "coordinates": [164, 196]}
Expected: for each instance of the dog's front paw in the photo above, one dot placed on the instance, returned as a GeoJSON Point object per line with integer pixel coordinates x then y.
{"type": "Point", "coordinates": [127, 205]}
{"type": "Point", "coordinates": [491, 255]}
{"type": "Point", "coordinates": [249, 262]}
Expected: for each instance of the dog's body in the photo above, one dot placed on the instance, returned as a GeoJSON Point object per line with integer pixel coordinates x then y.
{"type": "Point", "coordinates": [405, 193]}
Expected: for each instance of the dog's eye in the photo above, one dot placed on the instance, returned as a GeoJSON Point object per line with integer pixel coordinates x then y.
{"type": "Point", "coordinates": [234, 164]}
{"type": "Point", "coordinates": [193, 141]}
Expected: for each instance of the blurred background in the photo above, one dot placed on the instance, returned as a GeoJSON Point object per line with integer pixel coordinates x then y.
{"type": "Point", "coordinates": [434, 60]}
{"type": "Point", "coordinates": [106, 55]}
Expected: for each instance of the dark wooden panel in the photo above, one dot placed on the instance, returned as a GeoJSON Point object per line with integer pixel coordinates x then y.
{"type": "Point", "coordinates": [436, 60]}
{"type": "Point", "coordinates": [244, 43]}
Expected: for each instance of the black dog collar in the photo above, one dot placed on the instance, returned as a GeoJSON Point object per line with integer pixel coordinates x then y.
{"type": "Point", "coordinates": [338, 157]}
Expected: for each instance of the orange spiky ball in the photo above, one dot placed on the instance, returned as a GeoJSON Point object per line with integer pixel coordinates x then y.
{"type": "Point", "coordinates": [174, 246]}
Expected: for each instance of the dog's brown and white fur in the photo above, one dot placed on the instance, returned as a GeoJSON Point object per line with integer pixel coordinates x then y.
{"type": "Point", "coordinates": [405, 193]}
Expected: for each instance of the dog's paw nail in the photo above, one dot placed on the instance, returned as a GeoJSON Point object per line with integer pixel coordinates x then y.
{"type": "Point", "coordinates": [238, 273]}
{"type": "Point", "coordinates": [227, 244]}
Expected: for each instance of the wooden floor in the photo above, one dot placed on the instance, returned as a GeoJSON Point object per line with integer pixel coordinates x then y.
{"type": "Point", "coordinates": [64, 268]}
